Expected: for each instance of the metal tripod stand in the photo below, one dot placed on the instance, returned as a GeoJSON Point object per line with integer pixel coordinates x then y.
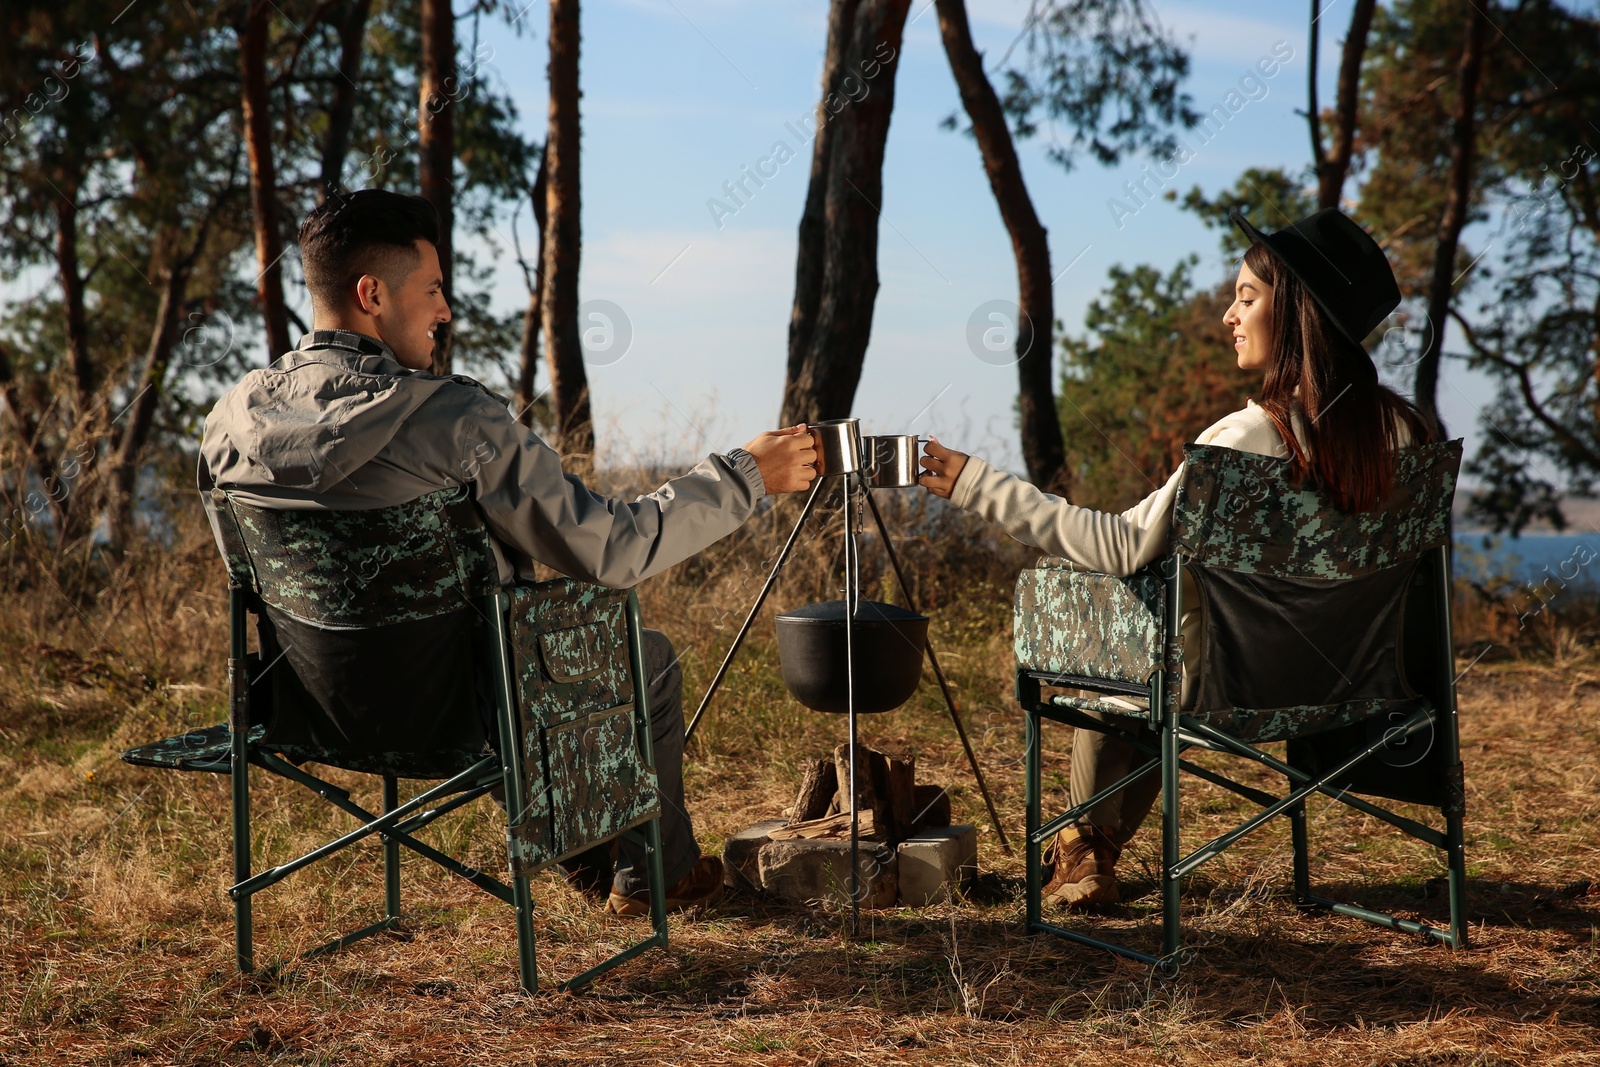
{"type": "Point", "coordinates": [855, 482]}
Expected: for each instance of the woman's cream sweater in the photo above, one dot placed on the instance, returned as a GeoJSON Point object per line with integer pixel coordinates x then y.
{"type": "Point", "coordinates": [1099, 540]}
{"type": "Point", "coordinates": [1117, 544]}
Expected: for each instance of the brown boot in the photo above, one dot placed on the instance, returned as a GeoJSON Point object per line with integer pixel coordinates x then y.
{"type": "Point", "coordinates": [1083, 858]}
{"type": "Point", "coordinates": [700, 888]}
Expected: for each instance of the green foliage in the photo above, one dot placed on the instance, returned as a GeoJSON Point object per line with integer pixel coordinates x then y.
{"type": "Point", "coordinates": [1271, 198]}
{"type": "Point", "coordinates": [122, 162]}
{"type": "Point", "coordinates": [1538, 328]}
{"type": "Point", "coordinates": [1535, 326]}
{"type": "Point", "coordinates": [1107, 72]}
{"type": "Point", "coordinates": [1154, 370]}
{"type": "Point", "coordinates": [1539, 335]}
{"type": "Point", "coordinates": [130, 130]}
{"type": "Point", "coordinates": [1408, 97]}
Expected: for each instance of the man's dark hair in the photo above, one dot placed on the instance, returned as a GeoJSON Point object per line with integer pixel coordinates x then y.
{"type": "Point", "coordinates": [372, 231]}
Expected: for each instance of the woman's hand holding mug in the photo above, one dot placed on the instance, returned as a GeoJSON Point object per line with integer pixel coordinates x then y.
{"type": "Point", "coordinates": [941, 467]}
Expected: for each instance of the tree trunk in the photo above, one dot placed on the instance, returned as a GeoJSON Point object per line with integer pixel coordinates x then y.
{"type": "Point", "coordinates": [1042, 448]}
{"type": "Point", "coordinates": [836, 277]}
{"type": "Point", "coordinates": [813, 232]}
{"type": "Point", "coordinates": [263, 175]}
{"type": "Point", "coordinates": [533, 318]}
{"type": "Point", "coordinates": [563, 241]}
{"type": "Point", "coordinates": [140, 414]}
{"type": "Point", "coordinates": [72, 295]}
{"type": "Point", "coordinates": [1333, 167]}
{"type": "Point", "coordinates": [436, 137]}
{"type": "Point", "coordinates": [1453, 218]}
{"type": "Point", "coordinates": [1594, 349]}
{"type": "Point", "coordinates": [33, 454]}
{"type": "Point", "coordinates": [341, 113]}
{"type": "Point", "coordinates": [70, 510]}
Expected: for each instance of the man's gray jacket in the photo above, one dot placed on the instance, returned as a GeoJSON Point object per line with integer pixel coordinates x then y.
{"type": "Point", "coordinates": [341, 425]}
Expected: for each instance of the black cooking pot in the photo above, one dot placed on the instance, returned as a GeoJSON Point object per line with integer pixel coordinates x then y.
{"type": "Point", "coordinates": [888, 644]}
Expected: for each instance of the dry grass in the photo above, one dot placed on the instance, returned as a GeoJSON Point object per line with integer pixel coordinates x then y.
{"type": "Point", "coordinates": [117, 939]}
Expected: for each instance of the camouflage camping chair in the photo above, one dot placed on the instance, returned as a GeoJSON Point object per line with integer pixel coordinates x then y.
{"type": "Point", "coordinates": [387, 646]}
{"type": "Point", "coordinates": [1327, 630]}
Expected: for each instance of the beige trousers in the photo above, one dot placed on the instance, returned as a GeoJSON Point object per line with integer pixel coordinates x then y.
{"type": "Point", "coordinates": [1099, 760]}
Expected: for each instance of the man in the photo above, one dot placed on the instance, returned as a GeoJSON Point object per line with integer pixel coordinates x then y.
{"type": "Point", "coordinates": [352, 420]}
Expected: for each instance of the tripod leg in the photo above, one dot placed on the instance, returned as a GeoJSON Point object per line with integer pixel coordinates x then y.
{"type": "Point", "coordinates": [783, 557]}
{"type": "Point", "coordinates": [851, 591]}
{"type": "Point", "coordinates": [938, 673]}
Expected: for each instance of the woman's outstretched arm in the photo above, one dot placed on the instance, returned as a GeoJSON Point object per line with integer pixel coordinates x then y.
{"type": "Point", "coordinates": [1101, 541]}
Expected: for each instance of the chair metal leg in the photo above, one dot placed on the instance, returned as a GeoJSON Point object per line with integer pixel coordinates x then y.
{"type": "Point", "coordinates": [653, 851]}
{"type": "Point", "coordinates": [391, 881]}
{"type": "Point", "coordinates": [239, 729]}
{"type": "Point", "coordinates": [257, 882]}
{"type": "Point", "coordinates": [1031, 845]}
{"type": "Point", "coordinates": [1302, 853]}
{"type": "Point", "coordinates": [402, 832]}
{"type": "Point", "coordinates": [1456, 857]}
{"type": "Point", "coordinates": [658, 913]}
{"type": "Point", "coordinates": [1304, 785]}
{"type": "Point", "coordinates": [244, 947]}
{"type": "Point", "coordinates": [1455, 806]}
{"type": "Point", "coordinates": [658, 882]}
{"type": "Point", "coordinates": [511, 778]}
{"type": "Point", "coordinates": [391, 854]}
{"type": "Point", "coordinates": [527, 959]}
{"type": "Point", "coordinates": [1170, 879]}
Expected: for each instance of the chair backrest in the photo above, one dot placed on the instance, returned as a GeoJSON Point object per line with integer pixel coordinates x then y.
{"type": "Point", "coordinates": [1304, 605]}
{"type": "Point", "coordinates": [373, 630]}
{"type": "Point", "coordinates": [357, 569]}
{"type": "Point", "coordinates": [1240, 511]}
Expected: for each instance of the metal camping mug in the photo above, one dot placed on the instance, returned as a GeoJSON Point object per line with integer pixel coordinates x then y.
{"type": "Point", "coordinates": [838, 444]}
{"type": "Point", "coordinates": [892, 461]}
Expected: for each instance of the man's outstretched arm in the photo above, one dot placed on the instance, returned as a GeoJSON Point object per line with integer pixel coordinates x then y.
{"type": "Point", "coordinates": [539, 511]}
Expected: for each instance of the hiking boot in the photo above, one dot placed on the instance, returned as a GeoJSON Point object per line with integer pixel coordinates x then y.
{"type": "Point", "coordinates": [700, 888]}
{"type": "Point", "coordinates": [1081, 860]}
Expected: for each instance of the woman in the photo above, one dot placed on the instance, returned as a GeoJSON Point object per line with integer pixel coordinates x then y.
{"type": "Point", "coordinates": [1305, 299]}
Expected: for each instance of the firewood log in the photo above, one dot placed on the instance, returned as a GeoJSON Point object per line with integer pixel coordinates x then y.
{"type": "Point", "coordinates": [834, 827]}
{"type": "Point", "coordinates": [819, 782]}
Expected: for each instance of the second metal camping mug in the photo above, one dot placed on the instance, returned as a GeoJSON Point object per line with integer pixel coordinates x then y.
{"type": "Point", "coordinates": [838, 444]}
{"type": "Point", "coordinates": [891, 461]}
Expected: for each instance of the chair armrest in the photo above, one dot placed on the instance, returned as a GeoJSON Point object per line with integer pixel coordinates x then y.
{"type": "Point", "coordinates": [570, 639]}
{"type": "Point", "coordinates": [584, 731]}
{"type": "Point", "coordinates": [1092, 625]}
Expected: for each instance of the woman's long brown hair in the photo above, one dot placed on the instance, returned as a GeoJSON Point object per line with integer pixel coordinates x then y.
{"type": "Point", "coordinates": [1350, 421]}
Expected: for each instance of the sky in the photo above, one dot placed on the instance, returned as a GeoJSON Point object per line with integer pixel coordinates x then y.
{"type": "Point", "coordinates": [680, 96]}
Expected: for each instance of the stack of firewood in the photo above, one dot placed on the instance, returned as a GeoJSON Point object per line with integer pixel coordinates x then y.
{"type": "Point", "coordinates": [891, 804]}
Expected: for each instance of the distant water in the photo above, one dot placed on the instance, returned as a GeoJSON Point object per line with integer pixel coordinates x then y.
{"type": "Point", "coordinates": [1570, 558]}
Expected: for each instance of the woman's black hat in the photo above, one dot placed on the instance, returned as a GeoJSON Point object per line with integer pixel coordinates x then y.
{"type": "Point", "coordinates": [1339, 264]}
